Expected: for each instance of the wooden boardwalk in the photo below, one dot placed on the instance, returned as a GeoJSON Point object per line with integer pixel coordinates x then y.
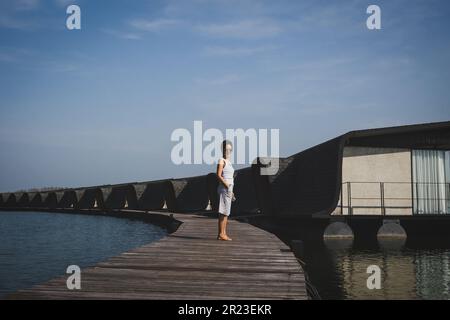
{"type": "Point", "coordinates": [190, 264]}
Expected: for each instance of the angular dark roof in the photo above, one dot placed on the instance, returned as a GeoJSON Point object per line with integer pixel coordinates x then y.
{"type": "Point", "coordinates": [419, 136]}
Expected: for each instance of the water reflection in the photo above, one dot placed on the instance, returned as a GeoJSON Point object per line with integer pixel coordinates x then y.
{"type": "Point", "coordinates": [339, 270]}
{"type": "Point", "coordinates": [437, 264]}
{"type": "Point", "coordinates": [391, 244]}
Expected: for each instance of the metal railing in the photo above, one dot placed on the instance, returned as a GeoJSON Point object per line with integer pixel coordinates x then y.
{"type": "Point", "coordinates": [406, 197]}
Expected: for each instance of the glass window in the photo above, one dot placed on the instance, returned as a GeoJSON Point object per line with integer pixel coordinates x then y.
{"type": "Point", "coordinates": [431, 181]}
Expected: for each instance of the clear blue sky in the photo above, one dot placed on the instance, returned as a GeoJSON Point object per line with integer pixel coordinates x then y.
{"type": "Point", "coordinates": [98, 105]}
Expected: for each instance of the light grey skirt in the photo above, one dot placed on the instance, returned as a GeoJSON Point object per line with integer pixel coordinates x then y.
{"type": "Point", "coordinates": [225, 199]}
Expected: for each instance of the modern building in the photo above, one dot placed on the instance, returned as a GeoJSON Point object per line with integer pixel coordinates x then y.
{"type": "Point", "coordinates": [402, 170]}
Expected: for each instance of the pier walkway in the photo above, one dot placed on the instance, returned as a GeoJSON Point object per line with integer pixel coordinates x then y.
{"type": "Point", "coordinates": [190, 264]}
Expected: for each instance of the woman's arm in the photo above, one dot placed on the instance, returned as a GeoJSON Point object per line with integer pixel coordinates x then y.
{"type": "Point", "coordinates": [220, 166]}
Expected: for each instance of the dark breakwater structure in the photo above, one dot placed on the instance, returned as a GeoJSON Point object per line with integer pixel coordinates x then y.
{"type": "Point", "coordinates": [364, 185]}
{"type": "Point", "coordinates": [352, 185]}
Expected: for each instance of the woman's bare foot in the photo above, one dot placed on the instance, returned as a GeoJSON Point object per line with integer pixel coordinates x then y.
{"type": "Point", "coordinates": [223, 237]}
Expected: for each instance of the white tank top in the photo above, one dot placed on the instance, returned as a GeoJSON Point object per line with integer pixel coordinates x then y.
{"type": "Point", "coordinates": [228, 171]}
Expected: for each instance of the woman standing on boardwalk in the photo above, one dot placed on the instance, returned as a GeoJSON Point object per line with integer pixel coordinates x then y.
{"type": "Point", "coordinates": [225, 173]}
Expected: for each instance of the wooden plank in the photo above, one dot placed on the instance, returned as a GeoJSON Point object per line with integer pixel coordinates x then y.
{"type": "Point", "coordinates": [190, 264]}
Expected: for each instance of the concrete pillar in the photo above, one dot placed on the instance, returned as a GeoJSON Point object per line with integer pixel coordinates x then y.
{"type": "Point", "coordinates": [338, 230]}
{"type": "Point", "coordinates": [391, 229]}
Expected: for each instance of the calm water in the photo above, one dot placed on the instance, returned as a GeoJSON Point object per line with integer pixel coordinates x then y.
{"type": "Point", "coordinates": [37, 246]}
{"type": "Point", "coordinates": [338, 271]}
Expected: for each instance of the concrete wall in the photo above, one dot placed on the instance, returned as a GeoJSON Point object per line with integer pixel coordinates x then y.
{"type": "Point", "coordinates": [245, 193]}
{"type": "Point", "coordinates": [68, 200]}
{"type": "Point", "coordinates": [150, 195]}
{"type": "Point", "coordinates": [187, 194]}
{"type": "Point", "coordinates": [49, 200]}
{"type": "Point", "coordinates": [392, 166]}
{"type": "Point", "coordinates": [35, 199]}
{"type": "Point", "coordinates": [118, 197]}
{"type": "Point", "coordinates": [89, 198]}
{"type": "Point", "coordinates": [22, 199]}
{"type": "Point", "coordinates": [11, 200]}
{"type": "Point", "coordinates": [306, 183]}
